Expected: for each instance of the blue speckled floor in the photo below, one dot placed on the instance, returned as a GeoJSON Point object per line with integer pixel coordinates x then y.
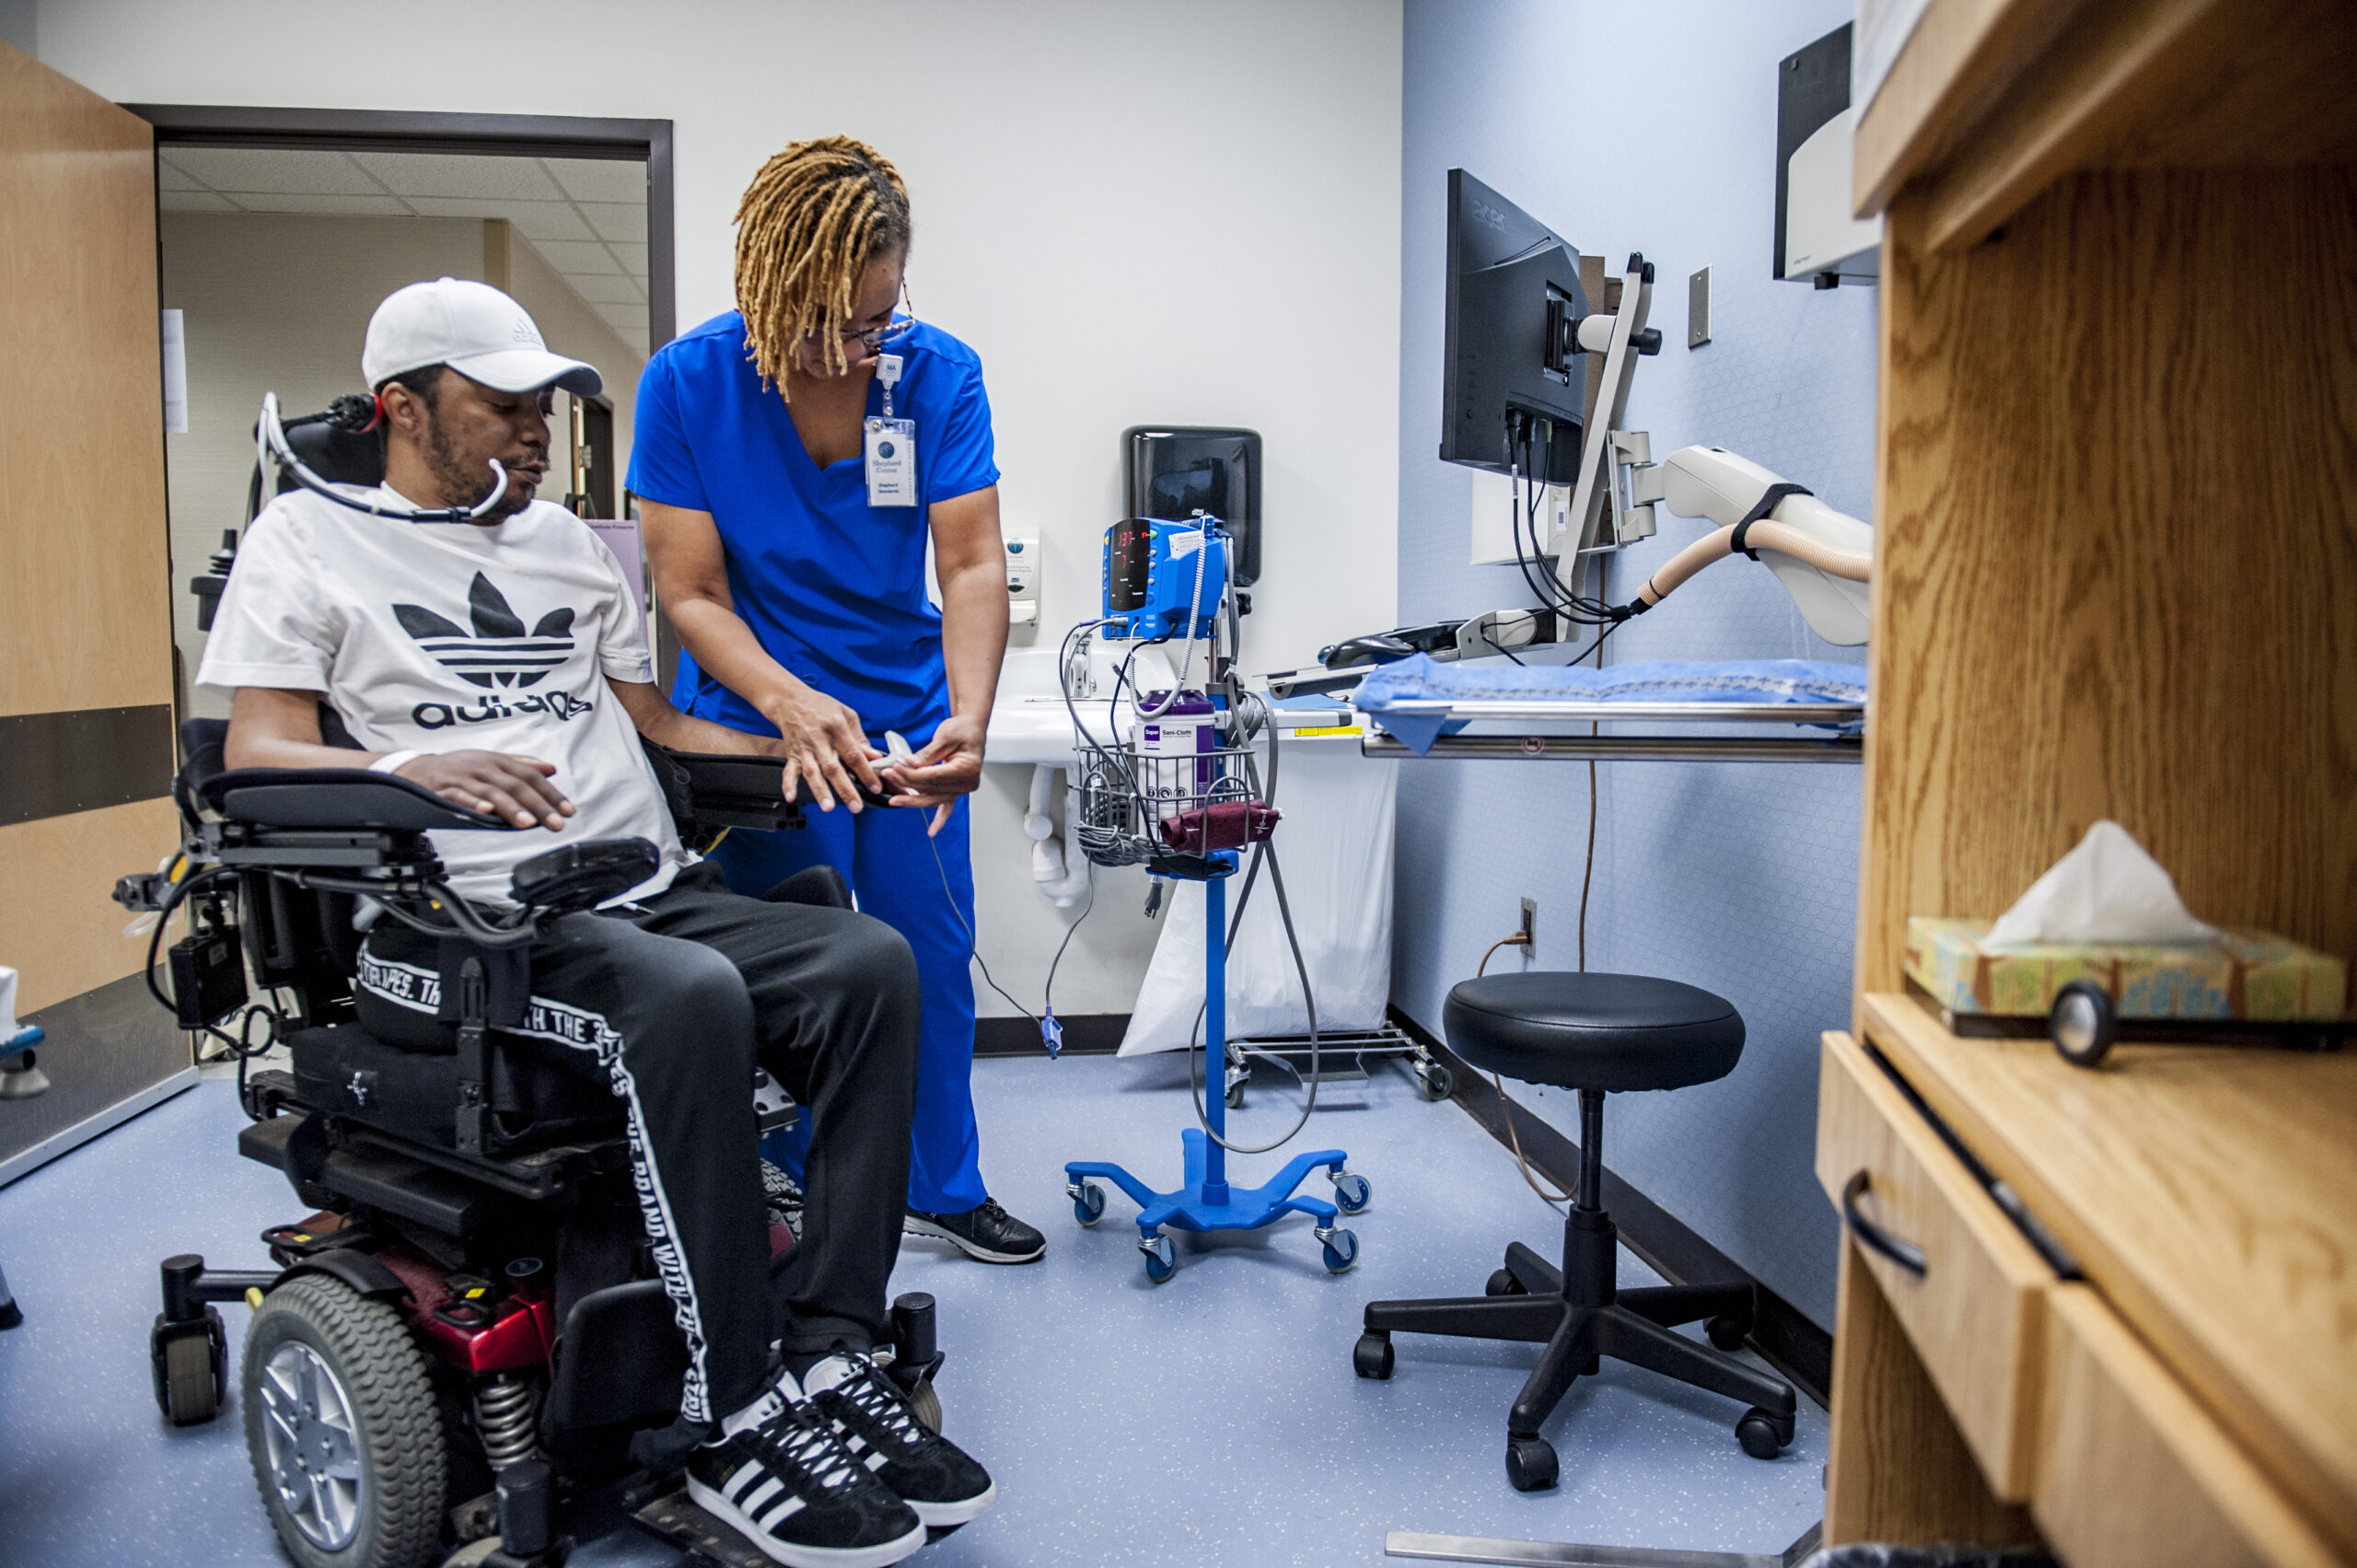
{"type": "Point", "coordinates": [1213, 1420]}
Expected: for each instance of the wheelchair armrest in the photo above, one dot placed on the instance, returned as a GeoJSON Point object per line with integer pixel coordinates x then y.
{"type": "Point", "coordinates": [734, 782]}
{"type": "Point", "coordinates": [351, 798]}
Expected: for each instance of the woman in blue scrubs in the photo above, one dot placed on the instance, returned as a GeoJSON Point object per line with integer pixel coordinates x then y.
{"type": "Point", "coordinates": [792, 459]}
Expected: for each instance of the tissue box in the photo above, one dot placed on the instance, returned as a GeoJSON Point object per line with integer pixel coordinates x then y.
{"type": "Point", "coordinates": [2245, 975]}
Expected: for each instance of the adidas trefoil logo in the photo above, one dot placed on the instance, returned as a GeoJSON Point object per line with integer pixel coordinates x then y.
{"type": "Point", "coordinates": [500, 653]}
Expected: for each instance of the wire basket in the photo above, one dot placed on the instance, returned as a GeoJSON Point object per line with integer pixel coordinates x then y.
{"type": "Point", "coordinates": [1125, 795]}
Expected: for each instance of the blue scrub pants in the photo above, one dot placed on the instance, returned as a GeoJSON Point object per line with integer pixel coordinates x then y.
{"type": "Point", "coordinates": [883, 855]}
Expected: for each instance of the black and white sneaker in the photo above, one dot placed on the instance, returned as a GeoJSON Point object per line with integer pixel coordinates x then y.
{"type": "Point", "coordinates": [989, 1233]}
{"type": "Point", "coordinates": [783, 1479]}
{"type": "Point", "coordinates": [871, 1416]}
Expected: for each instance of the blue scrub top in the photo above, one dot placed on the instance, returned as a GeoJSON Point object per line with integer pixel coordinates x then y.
{"type": "Point", "coordinates": [833, 588]}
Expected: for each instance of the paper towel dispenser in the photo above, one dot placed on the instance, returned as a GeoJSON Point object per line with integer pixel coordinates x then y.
{"type": "Point", "coordinates": [1816, 236]}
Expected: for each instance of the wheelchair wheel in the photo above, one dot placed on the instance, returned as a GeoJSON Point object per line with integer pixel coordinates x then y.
{"type": "Point", "coordinates": [343, 1430]}
{"type": "Point", "coordinates": [926, 1405]}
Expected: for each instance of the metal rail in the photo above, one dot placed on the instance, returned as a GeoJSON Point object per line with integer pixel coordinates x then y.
{"type": "Point", "coordinates": [1629, 748]}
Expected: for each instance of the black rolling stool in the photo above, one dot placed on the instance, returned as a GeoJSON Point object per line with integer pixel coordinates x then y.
{"type": "Point", "coordinates": [1596, 1033]}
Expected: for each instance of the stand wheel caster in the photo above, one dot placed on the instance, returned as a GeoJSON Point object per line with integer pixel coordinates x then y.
{"type": "Point", "coordinates": [1761, 1435]}
{"type": "Point", "coordinates": [1530, 1463]}
{"type": "Point", "coordinates": [1088, 1202]}
{"type": "Point", "coordinates": [1341, 1248]}
{"type": "Point", "coordinates": [1352, 1191]}
{"type": "Point", "coordinates": [1161, 1257]}
{"type": "Point", "coordinates": [1370, 1357]}
{"type": "Point", "coordinates": [1436, 1081]}
{"type": "Point", "coordinates": [1236, 1095]}
{"type": "Point", "coordinates": [2081, 1024]}
{"type": "Point", "coordinates": [1502, 1282]}
{"type": "Point", "coordinates": [1728, 1330]}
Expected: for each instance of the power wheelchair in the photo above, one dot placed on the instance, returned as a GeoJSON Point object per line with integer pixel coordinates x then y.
{"type": "Point", "coordinates": [461, 1350]}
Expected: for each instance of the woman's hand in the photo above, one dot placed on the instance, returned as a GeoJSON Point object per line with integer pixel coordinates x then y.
{"type": "Point", "coordinates": [497, 783]}
{"type": "Point", "coordinates": [824, 744]}
{"type": "Point", "coordinates": [951, 765]}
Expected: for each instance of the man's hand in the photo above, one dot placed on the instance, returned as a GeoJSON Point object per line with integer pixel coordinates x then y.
{"type": "Point", "coordinates": [824, 744]}
{"type": "Point", "coordinates": [495, 784]}
{"type": "Point", "coordinates": [951, 765]}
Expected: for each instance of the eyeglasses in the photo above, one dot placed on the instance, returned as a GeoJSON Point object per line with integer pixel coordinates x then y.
{"type": "Point", "coordinates": [877, 337]}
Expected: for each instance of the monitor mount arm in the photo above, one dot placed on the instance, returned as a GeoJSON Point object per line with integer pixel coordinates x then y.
{"type": "Point", "coordinates": [1822, 557]}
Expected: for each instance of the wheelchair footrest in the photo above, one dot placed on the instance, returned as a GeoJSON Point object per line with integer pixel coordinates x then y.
{"type": "Point", "coordinates": [708, 1543]}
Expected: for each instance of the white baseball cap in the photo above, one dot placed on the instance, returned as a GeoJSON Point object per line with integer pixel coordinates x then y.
{"type": "Point", "coordinates": [473, 329]}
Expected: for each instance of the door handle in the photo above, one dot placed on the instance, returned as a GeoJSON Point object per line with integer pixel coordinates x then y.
{"type": "Point", "coordinates": [1906, 1254]}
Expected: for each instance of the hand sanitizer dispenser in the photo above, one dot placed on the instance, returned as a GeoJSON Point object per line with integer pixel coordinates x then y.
{"type": "Point", "coordinates": [1022, 579]}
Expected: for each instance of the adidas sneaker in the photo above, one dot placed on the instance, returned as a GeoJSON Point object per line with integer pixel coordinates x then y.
{"type": "Point", "coordinates": [922, 1468]}
{"type": "Point", "coordinates": [783, 1479]}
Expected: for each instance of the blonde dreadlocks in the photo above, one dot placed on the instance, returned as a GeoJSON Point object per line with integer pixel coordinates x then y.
{"type": "Point", "coordinates": [811, 222]}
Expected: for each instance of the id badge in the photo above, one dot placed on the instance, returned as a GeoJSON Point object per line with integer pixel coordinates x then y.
{"type": "Point", "coordinates": [892, 462]}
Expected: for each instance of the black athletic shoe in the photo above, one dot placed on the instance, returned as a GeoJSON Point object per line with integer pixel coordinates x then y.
{"type": "Point", "coordinates": [989, 1233]}
{"type": "Point", "coordinates": [871, 1416]}
{"type": "Point", "coordinates": [785, 1482]}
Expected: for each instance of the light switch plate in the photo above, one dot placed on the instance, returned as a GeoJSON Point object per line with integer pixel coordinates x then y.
{"type": "Point", "coordinates": [1698, 309]}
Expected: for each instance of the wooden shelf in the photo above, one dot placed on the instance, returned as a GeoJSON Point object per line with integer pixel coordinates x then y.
{"type": "Point", "coordinates": [2210, 1194]}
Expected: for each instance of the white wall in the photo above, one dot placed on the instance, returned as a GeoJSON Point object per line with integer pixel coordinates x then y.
{"type": "Point", "coordinates": [1136, 213]}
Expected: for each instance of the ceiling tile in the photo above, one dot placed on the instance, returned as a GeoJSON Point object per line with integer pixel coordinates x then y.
{"type": "Point", "coordinates": [634, 257]}
{"type": "Point", "coordinates": [449, 174]}
{"type": "Point", "coordinates": [275, 169]}
{"type": "Point", "coordinates": [623, 318]}
{"type": "Point", "coordinates": [600, 179]}
{"type": "Point", "coordinates": [192, 202]}
{"type": "Point", "coordinates": [295, 202]}
{"type": "Point", "coordinates": [578, 257]}
{"type": "Point", "coordinates": [615, 222]}
{"type": "Point", "coordinates": [533, 220]}
{"type": "Point", "coordinates": [169, 175]}
{"type": "Point", "coordinates": [605, 290]}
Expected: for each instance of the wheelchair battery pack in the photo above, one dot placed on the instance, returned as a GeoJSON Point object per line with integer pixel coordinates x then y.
{"type": "Point", "coordinates": [208, 977]}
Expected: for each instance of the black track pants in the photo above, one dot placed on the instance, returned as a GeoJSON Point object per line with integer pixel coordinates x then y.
{"type": "Point", "coordinates": [670, 1004]}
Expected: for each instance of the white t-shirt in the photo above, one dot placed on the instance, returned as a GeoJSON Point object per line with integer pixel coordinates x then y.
{"type": "Point", "coordinates": [450, 637]}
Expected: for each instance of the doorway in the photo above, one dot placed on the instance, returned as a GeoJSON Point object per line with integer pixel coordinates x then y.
{"type": "Point", "coordinates": [279, 231]}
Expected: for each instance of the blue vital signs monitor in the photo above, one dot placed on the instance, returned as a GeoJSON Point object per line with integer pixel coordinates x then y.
{"type": "Point", "coordinates": [1156, 570]}
{"type": "Point", "coordinates": [1512, 370]}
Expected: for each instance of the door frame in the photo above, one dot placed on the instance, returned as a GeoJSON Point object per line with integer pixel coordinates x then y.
{"type": "Point", "coordinates": [492, 135]}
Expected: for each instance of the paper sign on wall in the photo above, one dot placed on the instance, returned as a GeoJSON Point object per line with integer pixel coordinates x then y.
{"type": "Point", "coordinates": [175, 376]}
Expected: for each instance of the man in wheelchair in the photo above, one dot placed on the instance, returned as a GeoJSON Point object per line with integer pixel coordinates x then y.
{"type": "Point", "coordinates": [500, 661]}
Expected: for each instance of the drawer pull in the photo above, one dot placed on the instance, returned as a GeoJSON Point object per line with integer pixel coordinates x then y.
{"type": "Point", "coordinates": [1906, 1254]}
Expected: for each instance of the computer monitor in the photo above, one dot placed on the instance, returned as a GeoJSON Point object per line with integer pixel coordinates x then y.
{"type": "Point", "coordinates": [1512, 358]}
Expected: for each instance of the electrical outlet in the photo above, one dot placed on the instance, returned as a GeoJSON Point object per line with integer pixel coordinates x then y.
{"type": "Point", "coordinates": [1529, 928]}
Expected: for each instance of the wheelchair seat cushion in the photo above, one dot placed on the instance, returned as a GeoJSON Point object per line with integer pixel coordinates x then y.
{"type": "Point", "coordinates": [536, 1101]}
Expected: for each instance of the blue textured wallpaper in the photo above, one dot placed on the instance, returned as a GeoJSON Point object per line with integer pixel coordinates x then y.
{"type": "Point", "coordinates": [1648, 128]}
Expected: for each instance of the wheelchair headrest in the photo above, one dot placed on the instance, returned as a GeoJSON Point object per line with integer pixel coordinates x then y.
{"type": "Point", "coordinates": [336, 454]}
{"type": "Point", "coordinates": [350, 798]}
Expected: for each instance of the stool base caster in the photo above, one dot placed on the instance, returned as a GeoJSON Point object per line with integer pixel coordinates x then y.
{"type": "Point", "coordinates": [1530, 1463]}
{"type": "Point", "coordinates": [1763, 1435]}
{"type": "Point", "coordinates": [1370, 1357]}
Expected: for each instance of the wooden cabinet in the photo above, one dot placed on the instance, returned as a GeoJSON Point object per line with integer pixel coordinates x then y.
{"type": "Point", "coordinates": [2134, 1471]}
{"type": "Point", "coordinates": [1974, 1310]}
{"type": "Point", "coordinates": [2116, 577]}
